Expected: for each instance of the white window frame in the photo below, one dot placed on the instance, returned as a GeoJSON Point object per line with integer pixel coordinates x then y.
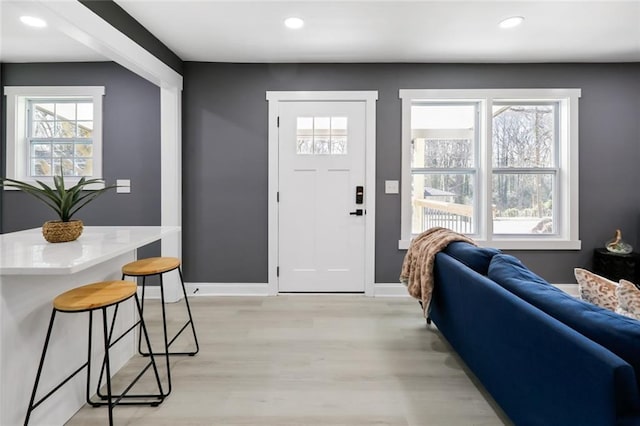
{"type": "Point", "coordinates": [17, 161]}
{"type": "Point", "coordinates": [567, 237]}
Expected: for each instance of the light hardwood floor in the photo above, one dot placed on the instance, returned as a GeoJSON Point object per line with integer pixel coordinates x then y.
{"type": "Point", "coordinates": [311, 360]}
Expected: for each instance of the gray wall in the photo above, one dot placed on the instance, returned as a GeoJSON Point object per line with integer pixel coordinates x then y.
{"type": "Point", "coordinates": [225, 154]}
{"type": "Point", "coordinates": [131, 144]}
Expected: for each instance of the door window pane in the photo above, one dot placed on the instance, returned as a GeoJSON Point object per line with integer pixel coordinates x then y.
{"type": "Point", "coordinates": [523, 203]}
{"type": "Point", "coordinates": [321, 144]}
{"type": "Point", "coordinates": [321, 135]}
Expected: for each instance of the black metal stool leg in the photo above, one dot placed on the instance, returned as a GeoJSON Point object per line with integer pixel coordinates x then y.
{"type": "Point", "coordinates": [141, 310]}
{"type": "Point", "coordinates": [144, 286]}
{"type": "Point", "coordinates": [88, 387]}
{"type": "Point", "coordinates": [166, 340]}
{"type": "Point", "coordinates": [143, 326]}
{"type": "Point", "coordinates": [184, 326]}
{"type": "Point", "coordinates": [70, 304]}
{"type": "Point", "coordinates": [193, 327]}
{"type": "Point", "coordinates": [143, 330]}
{"type": "Point", "coordinates": [113, 324]}
{"type": "Point", "coordinates": [39, 373]}
{"type": "Point", "coordinates": [107, 364]}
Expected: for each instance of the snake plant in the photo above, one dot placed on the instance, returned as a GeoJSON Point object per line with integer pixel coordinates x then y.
{"type": "Point", "coordinates": [64, 201]}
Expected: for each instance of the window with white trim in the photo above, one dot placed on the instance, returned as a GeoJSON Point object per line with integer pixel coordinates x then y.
{"type": "Point", "coordinates": [54, 131]}
{"type": "Point", "coordinates": [499, 165]}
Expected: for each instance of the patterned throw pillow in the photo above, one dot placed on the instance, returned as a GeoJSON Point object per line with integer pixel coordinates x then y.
{"type": "Point", "coordinates": [628, 300]}
{"type": "Point", "coordinates": [596, 289]}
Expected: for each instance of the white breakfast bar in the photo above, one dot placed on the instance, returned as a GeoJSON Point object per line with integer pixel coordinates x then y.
{"type": "Point", "coordinates": [32, 273]}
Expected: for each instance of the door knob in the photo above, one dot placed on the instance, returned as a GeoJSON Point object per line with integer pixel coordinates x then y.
{"type": "Point", "coordinates": [358, 212]}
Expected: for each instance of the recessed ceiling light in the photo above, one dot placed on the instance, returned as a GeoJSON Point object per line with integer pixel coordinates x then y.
{"type": "Point", "coordinates": [32, 21]}
{"type": "Point", "coordinates": [511, 22]}
{"type": "Point", "coordinates": [294, 23]}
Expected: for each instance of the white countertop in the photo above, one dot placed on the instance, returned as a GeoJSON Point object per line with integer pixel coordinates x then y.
{"type": "Point", "coordinates": [27, 252]}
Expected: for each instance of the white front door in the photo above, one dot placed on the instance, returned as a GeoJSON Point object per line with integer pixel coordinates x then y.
{"type": "Point", "coordinates": [321, 217]}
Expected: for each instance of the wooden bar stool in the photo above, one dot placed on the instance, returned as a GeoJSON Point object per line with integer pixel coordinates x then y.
{"type": "Point", "coordinates": [158, 266]}
{"type": "Point", "coordinates": [90, 298]}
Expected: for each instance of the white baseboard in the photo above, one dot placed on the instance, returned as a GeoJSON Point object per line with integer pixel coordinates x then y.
{"type": "Point", "coordinates": [390, 290]}
{"type": "Point", "coordinates": [212, 289]}
{"type": "Point", "coordinates": [227, 289]}
{"type": "Point", "coordinates": [259, 289]}
{"type": "Point", "coordinates": [150, 292]}
{"type": "Point", "coordinates": [262, 289]}
{"type": "Point", "coordinates": [572, 289]}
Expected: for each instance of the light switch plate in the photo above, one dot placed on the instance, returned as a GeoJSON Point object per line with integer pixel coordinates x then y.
{"type": "Point", "coordinates": [124, 186]}
{"type": "Point", "coordinates": [391, 187]}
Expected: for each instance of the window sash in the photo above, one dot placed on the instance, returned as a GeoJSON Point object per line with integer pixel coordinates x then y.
{"type": "Point", "coordinates": [455, 133]}
{"type": "Point", "coordinates": [556, 123]}
{"type": "Point", "coordinates": [556, 217]}
{"type": "Point", "coordinates": [448, 212]}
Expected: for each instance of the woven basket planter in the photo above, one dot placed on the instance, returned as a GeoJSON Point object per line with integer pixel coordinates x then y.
{"type": "Point", "coordinates": [56, 231]}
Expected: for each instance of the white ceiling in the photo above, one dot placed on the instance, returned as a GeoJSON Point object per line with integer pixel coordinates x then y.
{"type": "Point", "coordinates": [360, 31]}
{"type": "Point", "coordinates": [19, 43]}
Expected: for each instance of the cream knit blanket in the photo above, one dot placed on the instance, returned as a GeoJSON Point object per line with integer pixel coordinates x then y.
{"type": "Point", "coordinates": [417, 268]}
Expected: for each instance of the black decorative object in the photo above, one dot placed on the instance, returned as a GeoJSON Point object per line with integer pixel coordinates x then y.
{"type": "Point", "coordinates": [617, 266]}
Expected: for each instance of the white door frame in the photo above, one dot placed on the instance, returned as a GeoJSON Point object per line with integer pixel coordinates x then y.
{"type": "Point", "coordinates": [370, 98]}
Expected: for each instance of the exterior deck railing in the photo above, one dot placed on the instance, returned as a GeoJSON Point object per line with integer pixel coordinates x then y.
{"type": "Point", "coordinates": [457, 217]}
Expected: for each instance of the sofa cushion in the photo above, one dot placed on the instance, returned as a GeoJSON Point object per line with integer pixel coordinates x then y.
{"type": "Point", "coordinates": [596, 289]}
{"type": "Point", "coordinates": [619, 334]}
{"type": "Point", "coordinates": [476, 258]}
{"type": "Point", "coordinates": [628, 299]}
{"type": "Point", "coordinates": [512, 268]}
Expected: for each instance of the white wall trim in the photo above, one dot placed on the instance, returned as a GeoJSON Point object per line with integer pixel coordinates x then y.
{"type": "Point", "coordinates": [227, 289]}
{"type": "Point", "coordinates": [171, 178]}
{"type": "Point", "coordinates": [352, 95]}
{"type": "Point", "coordinates": [150, 292]}
{"type": "Point", "coordinates": [370, 98]}
{"type": "Point", "coordinates": [210, 290]}
{"type": "Point", "coordinates": [390, 290]}
{"type": "Point", "coordinates": [17, 157]}
{"type": "Point", "coordinates": [262, 289]}
{"type": "Point", "coordinates": [566, 191]}
{"type": "Point", "coordinates": [83, 25]}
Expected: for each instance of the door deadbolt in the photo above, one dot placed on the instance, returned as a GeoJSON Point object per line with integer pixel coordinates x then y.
{"type": "Point", "coordinates": [359, 194]}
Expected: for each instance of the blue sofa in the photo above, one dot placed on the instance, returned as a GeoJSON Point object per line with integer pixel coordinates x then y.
{"type": "Point", "coordinates": [546, 357]}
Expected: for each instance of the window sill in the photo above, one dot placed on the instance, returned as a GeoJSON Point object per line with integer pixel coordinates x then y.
{"type": "Point", "coordinates": [546, 244]}
{"type": "Point", "coordinates": [68, 183]}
